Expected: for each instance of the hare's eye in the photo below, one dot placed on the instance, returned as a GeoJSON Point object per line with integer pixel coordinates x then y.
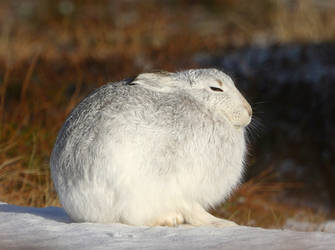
{"type": "Point", "coordinates": [216, 89]}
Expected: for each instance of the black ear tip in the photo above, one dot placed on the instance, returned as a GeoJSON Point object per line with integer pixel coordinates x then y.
{"type": "Point", "coordinates": [130, 81]}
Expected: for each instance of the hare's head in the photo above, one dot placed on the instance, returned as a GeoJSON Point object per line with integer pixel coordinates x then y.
{"type": "Point", "coordinates": [212, 87]}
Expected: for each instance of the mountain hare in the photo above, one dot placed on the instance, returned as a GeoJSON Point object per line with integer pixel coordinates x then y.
{"type": "Point", "coordinates": [159, 149]}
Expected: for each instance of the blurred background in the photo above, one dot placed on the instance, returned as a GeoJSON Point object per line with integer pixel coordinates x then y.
{"type": "Point", "coordinates": [281, 54]}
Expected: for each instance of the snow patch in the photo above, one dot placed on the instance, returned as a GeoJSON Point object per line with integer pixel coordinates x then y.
{"type": "Point", "coordinates": [50, 228]}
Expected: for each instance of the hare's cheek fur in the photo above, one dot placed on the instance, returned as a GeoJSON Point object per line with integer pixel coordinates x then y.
{"type": "Point", "coordinates": [233, 107]}
{"type": "Point", "coordinates": [238, 114]}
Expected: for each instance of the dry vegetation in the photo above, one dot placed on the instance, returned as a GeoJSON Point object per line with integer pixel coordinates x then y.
{"type": "Point", "coordinates": [52, 53]}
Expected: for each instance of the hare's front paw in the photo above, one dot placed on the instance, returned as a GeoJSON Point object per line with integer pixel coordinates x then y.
{"type": "Point", "coordinates": [198, 216]}
{"type": "Point", "coordinates": [223, 223]}
{"type": "Point", "coordinates": [170, 220]}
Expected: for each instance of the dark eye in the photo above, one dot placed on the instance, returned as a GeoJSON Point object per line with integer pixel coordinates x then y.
{"type": "Point", "coordinates": [216, 89]}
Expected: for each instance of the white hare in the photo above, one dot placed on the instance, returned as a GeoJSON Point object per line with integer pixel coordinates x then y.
{"type": "Point", "coordinates": [159, 149]}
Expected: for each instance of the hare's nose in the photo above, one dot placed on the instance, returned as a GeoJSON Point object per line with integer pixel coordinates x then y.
{"type": "Point", "coordinates": [247, 106]}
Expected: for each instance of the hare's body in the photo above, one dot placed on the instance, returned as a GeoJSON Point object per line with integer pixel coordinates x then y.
{"type": "Point", "coordinates": [131, 154]}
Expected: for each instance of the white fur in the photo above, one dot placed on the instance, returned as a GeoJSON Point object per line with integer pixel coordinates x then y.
{"type": "Point", "coordinates": [157, 150]}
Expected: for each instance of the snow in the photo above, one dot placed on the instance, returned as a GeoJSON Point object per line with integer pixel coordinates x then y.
{"type": "Point", "coordinates": [50, 228]}
{"type": "Point", "coordinates": [328, 226]}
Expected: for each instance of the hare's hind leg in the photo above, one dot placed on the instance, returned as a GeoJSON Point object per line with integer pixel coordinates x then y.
{"type": "Point", "coordinates": [198, 216]}
{"type": "Point", "coordinates": [171, 220]}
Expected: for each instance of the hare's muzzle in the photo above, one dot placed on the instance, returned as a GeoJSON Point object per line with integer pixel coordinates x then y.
{"type": "Point", "coordinates": [247, 107]}
{"type": "Point", "coordinates": [245, 114]}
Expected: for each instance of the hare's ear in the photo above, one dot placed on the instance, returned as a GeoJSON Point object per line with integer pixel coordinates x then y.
{"type": "Point", "coordinates": [159, 81]}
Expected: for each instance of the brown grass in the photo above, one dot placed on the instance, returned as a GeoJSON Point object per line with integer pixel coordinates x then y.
{"type": "Point", "coordinates": [49, 61]}
{"type": "Point", "coordinates": [256, 203]}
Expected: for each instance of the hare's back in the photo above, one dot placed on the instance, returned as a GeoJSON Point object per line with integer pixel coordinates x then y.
{"type": "Point", "coordinates": [89, 117]}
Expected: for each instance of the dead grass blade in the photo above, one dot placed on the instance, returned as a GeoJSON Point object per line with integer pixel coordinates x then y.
{"type": "Point", "coordinates": [2, 97]}
{"type": "Point", "coordinates": [27, 78]}
{"type": "Point", "coordinates": [10, 161]}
